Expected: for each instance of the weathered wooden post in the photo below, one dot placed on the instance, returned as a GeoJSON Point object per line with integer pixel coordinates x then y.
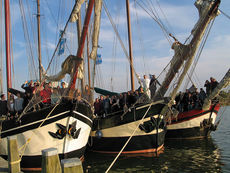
{"type": "Point", "coordinates": [13, 155]}
{"type": "Point", "coordinates": [50, 161]}
{"type": "Point", "coordinates": [71, 165]}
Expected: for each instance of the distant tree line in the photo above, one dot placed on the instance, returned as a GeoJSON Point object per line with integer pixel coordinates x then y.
{"type": "Point", "coordinates": [224, 98]}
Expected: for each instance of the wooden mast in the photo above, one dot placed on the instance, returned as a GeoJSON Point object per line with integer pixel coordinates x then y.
{"type": "Point", "coordinates": [7, 37]}
{"type": "Point", "coordinates": [39, 40]}
{"type": "Point", "coordinates": [88, 61]}
{"type": "Point", "coordinates": [82, 41]}
{"type": "Point", "coordinates": [1, 46]}
{"type": "Point", "coordinates": [130, 46]}
{"type": "Point", "coordinates": [188, 55]}
{"type": "Point", "coordinates": [79, 31]}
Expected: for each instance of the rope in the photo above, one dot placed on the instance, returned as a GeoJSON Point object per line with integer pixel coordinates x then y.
{"type": "Point", "coordinates": [225, 14]}
{"type": "Point", "coordinates": [119, 38]}
{"type": "Point", "coordinates": [26, 35]}
{"type": "Point", "coordinates": [130, 137]}
{"type": "Point", "coordinates": [156, 19]}
{"type": "Point", "coordinates": [199, 52]}
{"type": "Point", "coordinates": [15, 162]}
{"type": "Point", "coordinates": [139, 33]}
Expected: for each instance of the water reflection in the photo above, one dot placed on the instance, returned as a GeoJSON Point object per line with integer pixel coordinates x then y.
{"type": "Point", "coordinates": [178, 156]}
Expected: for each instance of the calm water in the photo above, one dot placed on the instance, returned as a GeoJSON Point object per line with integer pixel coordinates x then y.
{"type": "Point", "coordinates": [179, 156]}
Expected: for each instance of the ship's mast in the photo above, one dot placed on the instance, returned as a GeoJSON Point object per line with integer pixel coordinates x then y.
{"type": "Point", "coordinates": [7, 37]}
{"type": "Point", "coordinates": [39, 40]}
{"type": "Point", "coordinates": [82, 41]}
{"type": "Point", "coordinates": [187, 52]}
{"type": "Point", "coordinates": [130, 46]}
{"type": "Point", "coordinates": [1, 48]}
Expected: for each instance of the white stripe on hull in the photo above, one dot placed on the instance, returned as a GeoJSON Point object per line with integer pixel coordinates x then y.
{"type": "Point", "coordinates": [126, 130]}
{"type": "Point", "coordinates": [41, 139]}
{"type": "Point", "coordinates": [195, 122]}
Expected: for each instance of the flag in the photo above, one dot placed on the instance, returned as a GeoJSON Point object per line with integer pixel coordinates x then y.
{"type": "Point", "coordinates": [98, 59]}
{"type": "Point", "coordinates": [61, 49]}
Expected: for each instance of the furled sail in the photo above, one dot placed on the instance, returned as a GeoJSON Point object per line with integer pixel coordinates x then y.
{"type": "Point", "coordinates": [207, 11]}
{"type": "Point", "coordinates": [223, 84]}
{"type": "Point", "coordinates": [67, 67]}
{"type": "Point", "coordinates": [74, 16]}
{"type": "Point", "coordinates": [97, 21]}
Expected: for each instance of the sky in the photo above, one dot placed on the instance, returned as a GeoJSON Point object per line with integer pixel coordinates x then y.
{"type": "Point", "coordinates": [151, 50]}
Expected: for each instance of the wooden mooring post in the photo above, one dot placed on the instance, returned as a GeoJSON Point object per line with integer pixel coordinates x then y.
{"type": "Point", "coordinates": [71, 165]}
{"type": "Point", "coordinates": [13, 155]}
{"type": "Point", "coordinates": [51, 163]}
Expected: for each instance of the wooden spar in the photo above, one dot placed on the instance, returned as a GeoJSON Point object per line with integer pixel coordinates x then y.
{"type": "Point", "coordinates": [7, 37]}
{"type": "Point", "coordinates": [82, 42]}
{"type": "Point", "coordinates": [79, 27]}
{"type": "Point", "coordinates": [130, 46]}
{"type": "Point", "coordinates": [88, 61]}
{"type": "Point", "coordinates": [39, 40]}
{"type": "Point", "coordinates": [79, 31]}
{"type": "Point", "coordinates": [186, 55]}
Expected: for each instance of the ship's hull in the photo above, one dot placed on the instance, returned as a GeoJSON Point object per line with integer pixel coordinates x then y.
{"type": "Point", "coordinates": [110, 134]}
{"type": "Point", "coordinates": [50, 134]}
{"type": "Point", "coordinates": [192, 124]}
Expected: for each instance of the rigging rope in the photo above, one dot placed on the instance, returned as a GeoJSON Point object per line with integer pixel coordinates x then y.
{"type": "Point", "coordinates": [155, 18]}
{"type": "Point", "coordinates": [207, 32]}
{"type": "Point", "coordinates": [26, 35]}
{"type": "Point", "coordinates": [119, 38]}
{"type": "Point", "coordinates": [139, 33]}
{"type": "Point", "coordinates": [225, 14]}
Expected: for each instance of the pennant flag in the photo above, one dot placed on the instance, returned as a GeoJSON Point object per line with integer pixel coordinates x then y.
{"type": "Point", "coordinates": [98, 59]}
{"type": "Point", "coordinates": [61, 49]}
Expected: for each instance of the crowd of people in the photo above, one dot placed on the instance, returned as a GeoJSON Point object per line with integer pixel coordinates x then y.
{"type": "Point", "coordinates": [38, 96]}
{"type": "Point", "coordinates": [123, 101]}
{"type": "Point", "coordinates": [192, 98]}
{"type": "Point", "coordinates": [46, 95]}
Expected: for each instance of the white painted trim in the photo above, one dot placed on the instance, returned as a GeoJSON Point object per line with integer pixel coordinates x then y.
{"type": "Point", "coordinates": [83, 116]}
{"type": "Point", "coordinates": [34, 122]}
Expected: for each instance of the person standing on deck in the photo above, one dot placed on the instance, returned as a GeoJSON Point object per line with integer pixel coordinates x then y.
{"type": "Point", "coordinates": [63, 89]}
{"type": "Point", "coordinates": [145, 82]}
{"type": "Point", "coordinates": [207, 85]}
{"type": "Point", "coordinates": [18, 104]}
{"type": "Point", "coordinates": [46, 95]}
{"type": "Point", "coordinates": [213, 83]}
{"type": "Point", "coordinates": [3, 105]}
{"type": "Point", "coordinates": [153, 85]}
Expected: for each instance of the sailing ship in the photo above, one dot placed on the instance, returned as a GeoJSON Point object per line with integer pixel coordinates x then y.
{"type": "Point", "coordinates": [142, 127]}
{"type": "Point", "coordinates": [197, 122]}
{"type": "Point", "coordinates": [111, 133]}
{"type": "Point", "coordinates": [65, 125]}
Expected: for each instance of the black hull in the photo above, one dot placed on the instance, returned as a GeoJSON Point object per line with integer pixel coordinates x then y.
{"type": "Point", "coordinates": [138, 144]}
{"type": "Point", "coordinates": [32, 120]}
{"type": "Point", "coordinates": [199, 128]}
{"type": "Point", "coordinates": [33, 163]}
{"type": "Point", "coordinates": [189, 133]}
{"type": "Point", "coordinates": [150, 141]}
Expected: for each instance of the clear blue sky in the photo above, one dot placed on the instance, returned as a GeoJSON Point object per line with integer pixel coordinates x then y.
{"type": "Point", "coordinates": [151, 49]}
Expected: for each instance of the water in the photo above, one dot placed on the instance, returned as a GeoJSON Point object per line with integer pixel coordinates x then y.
{"type": "Point", "coordinates": [179, 156]}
